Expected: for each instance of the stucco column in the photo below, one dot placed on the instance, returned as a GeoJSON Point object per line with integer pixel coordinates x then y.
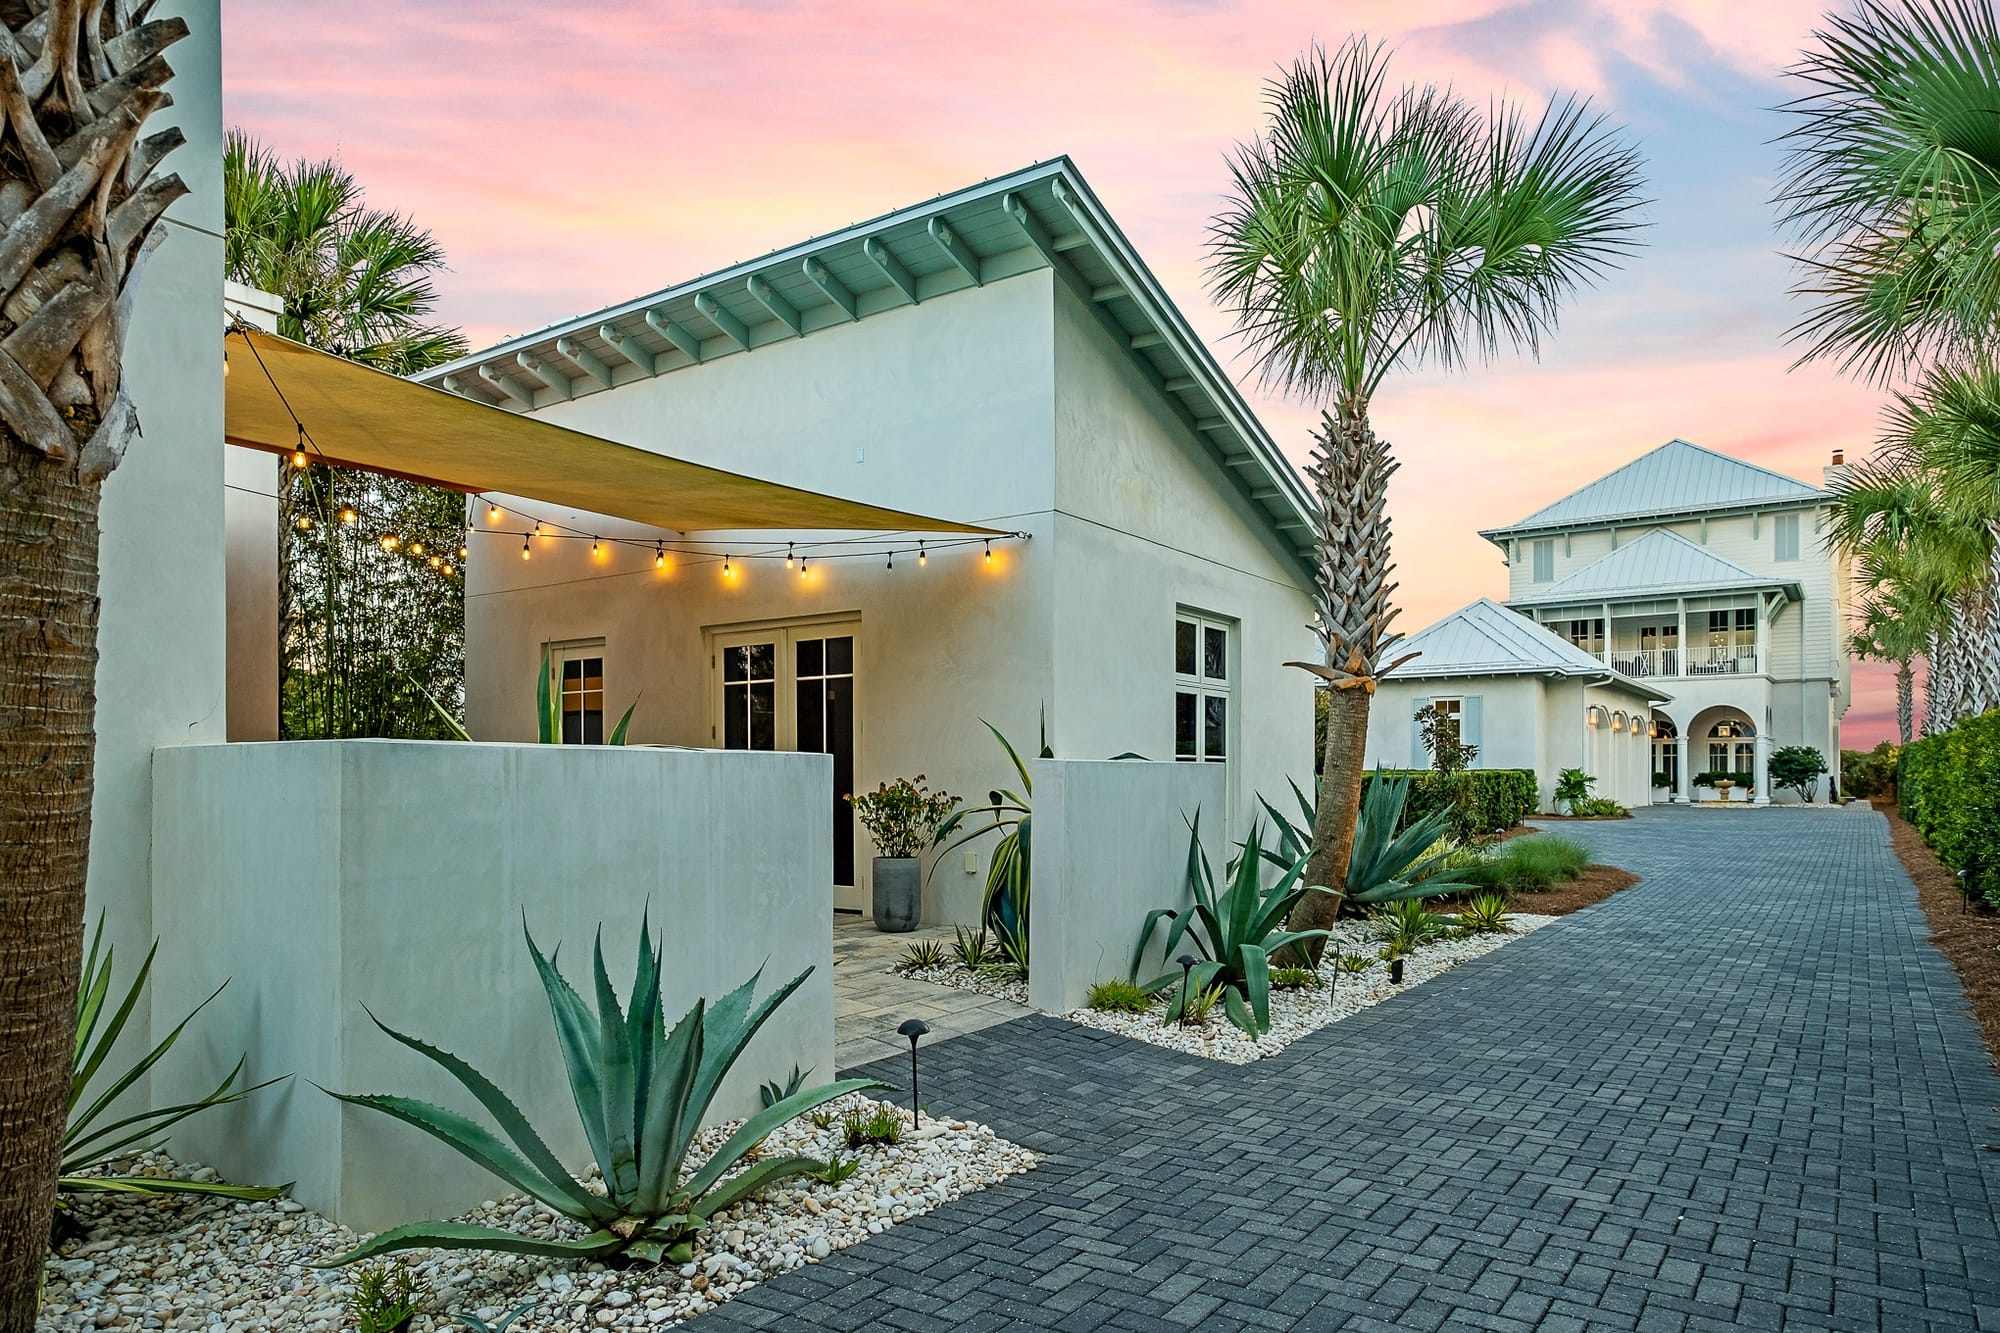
{"type": "Point", "coordinates": [1763, 796]}
{"type": "Point", "coordinates": [1684, 768]}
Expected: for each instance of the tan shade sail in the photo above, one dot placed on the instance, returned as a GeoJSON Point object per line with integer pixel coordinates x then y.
{"type": "Point", "coordinates": [363, 418]}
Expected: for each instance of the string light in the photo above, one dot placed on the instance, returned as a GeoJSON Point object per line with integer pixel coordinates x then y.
{"type": "Point", "coordinates": [727, 572]}
{"type": "Point", "coordinates": [416, 548]}
{"type": "Point", "coordinates": [305, 523]}
{"type": "Point", "coordinates": [464, 551]}
{"type": "Point", "coordinates": [299, 459]}
{"type": "Point", "coordinates": [348, 516]}
{"type": "Point", "coordinates": [989, 550]}
{"type": "Point", "coordinates": [594, 550]}
{"type": "Point", "coordinates": [538, 528]}
{"type": "Point", "coordinates": [892, 560]}
{"type": "Point", "coordinates": [437, 562]}
{"type": "Point", "coordinates": [659, 556]}
{"type": "Point", "coordinates": [922, 559]}
{"type": "Point", "coordinates": [389, 540]}
{"type": "Point", "coordinates": [493, 514]}
{"type": "Point", "coordinates": [802, 567]}
{"type": "Point", "coordinates": [788, 555]}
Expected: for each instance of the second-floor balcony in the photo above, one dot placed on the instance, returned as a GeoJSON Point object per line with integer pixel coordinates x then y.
{"type": "Point", "coordinates": [1701, 660]}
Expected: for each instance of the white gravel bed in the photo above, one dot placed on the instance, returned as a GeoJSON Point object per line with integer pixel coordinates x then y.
{"type": "Point", "coordinates": [179, 1263]}
{"type": "Point", "coordinates": [1294, 1013]}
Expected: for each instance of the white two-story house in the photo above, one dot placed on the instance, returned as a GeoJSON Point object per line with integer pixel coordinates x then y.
{"type": "Point", "coordinates": [1699, 582]}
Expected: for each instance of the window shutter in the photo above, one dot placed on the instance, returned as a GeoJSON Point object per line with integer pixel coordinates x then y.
{"type": "Point", "coordinates": [1468, 725]}
{"type": "Point", "coordinates": [1419, 756]}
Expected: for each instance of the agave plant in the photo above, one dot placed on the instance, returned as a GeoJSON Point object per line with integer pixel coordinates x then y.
{"type": "Point", "coordinates": [642, 1091]}
{"type": "Point", "coordinates": [1236, 931]}
{"type": "Point", "coordinates": [1420, 862]}
{"type": "Point", "coordinates": [87, 1144]}
{"type": "Point", "coordinates": [1005, 905]}
{"type": "Point", "coordinates": [548, 711]}
{"type": "Point", "coordinates": [1406, 926]}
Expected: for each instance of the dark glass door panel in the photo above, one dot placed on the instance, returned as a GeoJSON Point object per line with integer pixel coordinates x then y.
{"type": "Point", "coordinates": [750, 697]}
{"type": "Point", "coordinates": [825, 675]}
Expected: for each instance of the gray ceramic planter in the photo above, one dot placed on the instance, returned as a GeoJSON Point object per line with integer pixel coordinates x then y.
{"type": "Point", "coordinates": [899, 883]}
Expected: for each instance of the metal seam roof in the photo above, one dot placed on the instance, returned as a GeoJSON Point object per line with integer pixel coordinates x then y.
{"type": "Point", "coordinates": [1676, 478]}
{"type": "Point", "coordinates": [1042, 216]}
{"type": "Point", "coordinates": [1484, 638]}
{"type": "Point", "coordinates": [1660, 562]}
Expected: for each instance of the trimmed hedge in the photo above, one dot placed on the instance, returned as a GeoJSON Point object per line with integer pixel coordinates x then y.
{"type": "Point", "coordinates": [1948, 787]}
{"type": "Point", "coordinates": [1493, 799]}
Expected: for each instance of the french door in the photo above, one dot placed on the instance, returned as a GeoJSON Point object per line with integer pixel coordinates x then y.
{"type": "Point", "coordinates": [793, 687]}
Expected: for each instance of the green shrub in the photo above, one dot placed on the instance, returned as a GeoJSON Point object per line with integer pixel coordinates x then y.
{"type": "Point", "coordinates": [1866, 773]}
{"type": "Point", "coordinates": [902, 816]}
{"type": "Point", "coordinates": [1486, 914]}
{"type": "Point", "coordinates": [1119, 997]}
{"type": "Point", "coordinates": [1406, 926]}
{"type": "Point", "coordinates": [1598, 807]}
{"type": "Point", "coordinates": [1491, 800]}
{"type": "Point", "coordinates": [1536, 862]}
{"type": "Point", "coordinates": [972, 949]}
{"type": "Point", "coordinates": [920, 956]}
{"type": "Point", "coordinates": [1948, 787]}
{"type": "Point", "coordinates": [386, 1298]}
{"type": "Point", "coordinates": [1799, 767]}
{"type": "Point", "coordinates": [1295, 978]}
{"type": "Point", "coordinates": [1200, 1005]}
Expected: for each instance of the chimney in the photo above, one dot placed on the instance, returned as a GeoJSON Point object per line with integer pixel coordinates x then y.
{"type": "Point", "coordinates": [1839, 457]}
{"type": "Point", "coordinates": [1836, 470]}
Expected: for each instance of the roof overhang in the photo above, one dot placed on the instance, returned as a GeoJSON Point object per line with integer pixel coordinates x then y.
{"type": "Point", "coordinates": [1043, 216]}
{"type": "Point", "coordinates": [1792, 592]}
{"type": "Point", "coordinates": [1501, 536]}
{"type": "Point", "coordinates": [358, 417]}
{"type": "Point", "coordinates": [1609, 679]}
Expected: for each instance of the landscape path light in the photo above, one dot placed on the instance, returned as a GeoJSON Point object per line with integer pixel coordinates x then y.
{"type": "Point", "coordinates": [914, 1028]}
{"type": "Point", "coordinates": [1187, 961]}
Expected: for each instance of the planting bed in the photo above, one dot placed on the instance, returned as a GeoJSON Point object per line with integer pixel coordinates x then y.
{"type": "Point", "coordinates": [160, 1262]}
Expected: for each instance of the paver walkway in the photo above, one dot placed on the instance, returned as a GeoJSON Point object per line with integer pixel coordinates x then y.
{"type": "Point", "coordinates": [869, 1001]}
{"type": "Point", "coordinates": [1743, 1094]}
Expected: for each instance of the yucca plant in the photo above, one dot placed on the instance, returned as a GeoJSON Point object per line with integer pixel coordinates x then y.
{"type": "Point", "coordinates": [548, 710]}
{"type": "Point", "coordinates": [1236, 931]}
{"type": "Point", "coordinates": [1486, 914]}
{"type": "Point", "coordinates": [1406, 925]}
{"type": "Point", "coordinates": [1005, 904]}
{"type": "Point", "coordinates": [87, 1144]}
{"type": "Point", "coordinates": [1420, 862]}
{"type": "Point", "coordinates": [920, 956]}
{"type": "Point", "coordinates": [642, 1091]}
{"type": "Point", "coordinates": [971, 949]}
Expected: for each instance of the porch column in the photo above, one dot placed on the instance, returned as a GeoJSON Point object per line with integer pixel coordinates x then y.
{"type": "Point", "coordinates": [1684, 769]}
{"type": "Point", "coordinates": [1763, 796]}
{"type": "Point", "coordinates": [1681, 652]}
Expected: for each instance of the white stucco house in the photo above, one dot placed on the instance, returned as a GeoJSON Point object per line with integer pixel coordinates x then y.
{"type": "Point", "coordinates": [1689, 579]}
{"type": "Point", "coordinates": [999, 356]}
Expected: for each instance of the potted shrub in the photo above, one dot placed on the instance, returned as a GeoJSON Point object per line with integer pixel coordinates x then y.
{"type": "Point", "coordinates": [902, 817]}
{"type": "Point", "coordinates": [1572, 785]}
{"type": "Point", "coordinates": [1665, 782]}
{"type": "Point", "coordinates": [1715, 782]}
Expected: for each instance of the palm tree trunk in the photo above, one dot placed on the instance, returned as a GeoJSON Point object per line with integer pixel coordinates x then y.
{"type": "Point", "coordinates": [1350, 471]}
{"type": "Point", "coordinates": [79, 198]}
{"type": "Point", "coordinates": [1906, 690]}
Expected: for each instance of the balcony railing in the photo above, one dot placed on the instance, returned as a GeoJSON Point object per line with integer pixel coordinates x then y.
{"type": "Point", "coordinates": [1702, 660]}
{"type": "Point", "coordinates": [1645, 661]}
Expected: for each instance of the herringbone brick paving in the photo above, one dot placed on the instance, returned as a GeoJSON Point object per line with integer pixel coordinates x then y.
{"type": "Point", "coordinates": [1744, 1094]}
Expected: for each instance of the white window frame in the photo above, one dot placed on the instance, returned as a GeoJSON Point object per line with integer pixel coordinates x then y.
{"type": "Point", "coordinates": [562, 652]}
{"type": "Point", "coordinates": [1545, 546]}
{"type": "Point", "coordinates": [1202, 686]}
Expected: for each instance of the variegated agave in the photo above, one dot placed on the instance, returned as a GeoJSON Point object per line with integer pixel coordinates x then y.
{"type": "Point", "coordinates": [642, 1091]}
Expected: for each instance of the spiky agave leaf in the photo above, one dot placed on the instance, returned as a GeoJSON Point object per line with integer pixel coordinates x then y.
{"type": "Point", "coordinates": [467, 1236]}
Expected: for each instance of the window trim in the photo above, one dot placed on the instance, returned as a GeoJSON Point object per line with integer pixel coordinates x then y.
{"type": "Point", "coordinates": [1201, 686]}
{"type": "Point", "coordinates": [1783, 526]}
{"type": "Point", "coordinates": [560, 653]}
{"type": "Point", "coordinates": [1536, 549]}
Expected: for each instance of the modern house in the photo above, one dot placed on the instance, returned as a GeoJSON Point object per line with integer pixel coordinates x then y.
{"type": "Point", "coordinates": [1132, 558]}
{"type": "Point", "coordinates": [1695, 578]}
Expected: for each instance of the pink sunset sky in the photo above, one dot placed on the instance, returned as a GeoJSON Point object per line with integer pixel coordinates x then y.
{"type": "Point", "coordinates": [569, 156]}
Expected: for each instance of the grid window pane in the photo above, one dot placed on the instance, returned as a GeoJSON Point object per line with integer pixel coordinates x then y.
{"type": "Point", "coordinates": [840, 656]}
{"type": "Point", "coordinates": [1214, 653]}
{"type": "Point", "coordinates": [1184, 636]}
{"type": "Point", "coordinates": [1545, 561]}
{"type": "Point", "coordinates": [1184, 726]}
{"type": "Point", "coordinates": [1215, 727]}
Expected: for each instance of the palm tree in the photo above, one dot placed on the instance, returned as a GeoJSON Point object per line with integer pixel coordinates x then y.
{"type": "Point", "coordinates": [1892, 183]}
{"type": "Point", "coordinates": [1368, 230]}
{"type": "Point", "coordinates": [366, 640]}
{"type": "Point", "coordinates": [1896, 626]}
{"type": "Point", "coordinates": [80, 194]}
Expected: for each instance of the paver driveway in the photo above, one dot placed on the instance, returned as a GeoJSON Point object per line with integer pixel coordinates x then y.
{"type": "Point", "coordinates": [1744, 1094]}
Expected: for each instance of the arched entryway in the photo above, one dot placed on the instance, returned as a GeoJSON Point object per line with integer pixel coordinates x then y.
{"type": "Point", "coordinates": [1723, 739]}
{"type": "Point", "coordinates": [1666, 753]}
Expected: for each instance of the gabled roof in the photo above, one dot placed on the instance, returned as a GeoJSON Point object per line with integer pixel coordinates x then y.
{"type": "Point", "coordinates": [1044, 216]}
{"type": "Point", "coordinates": [1661, 563]}
{"type": "Point", "coordinates": [1676, 478]}
{"type": "Point", "coordinates": [1486, 639]}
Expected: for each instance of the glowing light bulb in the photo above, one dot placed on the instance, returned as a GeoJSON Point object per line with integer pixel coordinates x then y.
{"type": "Point", "coordinates": [989, 552]}
{"type": "Point", "coordinates": [463, 552]}
{"type": "Point", "coordinates": [416, 548]}
{"type": "Point", "coordinates": [305, 523]}
{"type": "Point", "coordinates": [437, 562]}
{"type": "Point", "coordinates": [347, 515]}
{"type": "Point", "coordinates": [524, 548]}
{"type": "Point", "coordinates": [448, 569]}
{"type": "Point", "coordinates": [802, 567]}
{"type": "Point", "coordinates": [493, 514]}
{"type": "Point", "coordinates": [594, 548]}
{"type": "Point", "coordinates": [389, 541]}
{"type": "Point", "coordinates": [922, 557]}
{"type": "Point", "coordinates": [299, 458]}
{"type": "Point", "coordinates": [788, 555]}
{"type": "Point", "coordinates": [727, 572]}
{"type": "Point", "coordinates": [659, 556]}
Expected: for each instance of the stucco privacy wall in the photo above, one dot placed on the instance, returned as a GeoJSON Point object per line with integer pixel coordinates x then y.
{"type": "Point", "coordinates": [160, 663]}
{"type": "Point", "coordinates": [322, 876]}
{"type": "Point", "coordinates": [943, 408]}
{"type": "Point", "coordinates": [1110, 844]}
{"type": "Point", "coordinates": [1149, 522]}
